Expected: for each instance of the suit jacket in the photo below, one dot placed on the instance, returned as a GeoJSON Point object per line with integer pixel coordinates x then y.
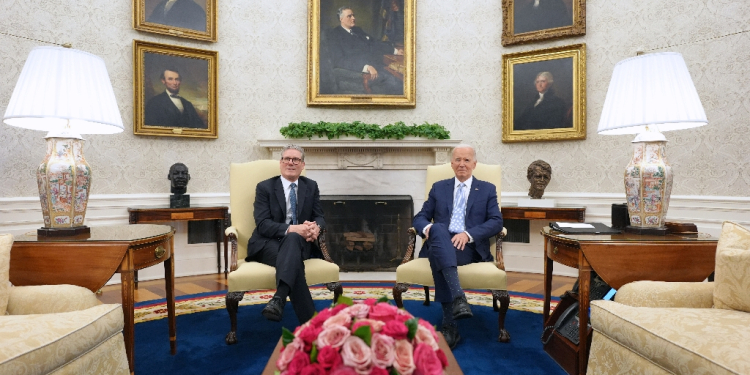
{"type": "Point", "coordinates": [483, 217]}
{"type": "Point", "coordinates": [551, 113]}
{"type": "Point", "coordinates": [353, 52]}
{"type": "Point", "coordinates": [184, 13]}
{"type": "Point", "coordinates": [161, 111]}
{"type": "Point", "coordinates": [270, 211]}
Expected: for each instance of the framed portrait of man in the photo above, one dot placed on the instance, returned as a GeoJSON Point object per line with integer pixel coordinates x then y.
{"type": "Point", "coordinates": [544, 94]}
{"type": "Point", "coordinates": [193, 19]}
{"type": "Point", "coordinates": [534, 20]}
{"type": "Point", "coordinates": [175, 91]}
{"type": "Point", "coordinates": [361, 52]}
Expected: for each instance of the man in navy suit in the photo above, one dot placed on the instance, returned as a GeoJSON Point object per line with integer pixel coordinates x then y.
{"type": "Point", "coordinates": [284, 237]}
{"type": "Point", "coordinates": [457, 221]}
{"type": "Point", "coordinates": [353, 49]}
{"type": "Point", "coordinates": [169, 108]}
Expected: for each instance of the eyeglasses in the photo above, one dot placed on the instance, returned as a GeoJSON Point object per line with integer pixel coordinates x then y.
{"type": "Point", "coordinates": [288, 160]}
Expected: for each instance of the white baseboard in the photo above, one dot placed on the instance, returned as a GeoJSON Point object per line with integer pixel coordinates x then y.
{"type": "Point", "coordinates": [23, 214]}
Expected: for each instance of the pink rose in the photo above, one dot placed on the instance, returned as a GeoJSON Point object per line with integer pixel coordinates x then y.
{"type": "Point", "coordinates": [425, 336]}
{"type": "Point", "coordinates": [441, 356]}
{"type": "Point", "coordinates": [375, 325]}
{"type": "Point", "coordinates": [321, 317]}
{"type": "Point", "coordinates": [335, 309]}
{"type": "Point", "coordinates": [357, 354]}
{"type": "Point", "coordinates": [401, 317]}
{"type": "Point", "coordinates": [300, 328]}
{"type": "Point", "coordinates": [426, 361]}
{"type": "Point", "coordinates": [358, 310]}
{"type": "Point", "coordinates": [404, 360]}
{"type": "Point", "coordinates": [429, 326]}
{"type": "Point", "coordinates": [313, 369]}
{"type": "Point", "coordinates": [383, 350]}
{"type": "Point", "coordinates": [328, 357]}
{"type": "Point", "coordinates": [308, 335]}
{"type": "Point", "coordinates": [334, 336]}
{"type": "Point", "coordinates": [404, 313]}
{"type": "Point", "coordinates": [343, 370]}
{"type": "Point", "coordinates": [341, 319]}
{"type": "Point", "coordinates": [288, 352]}
{"type": "Point", "coordinates": [383, 311]}
{"type": "Point", "coordinates": [300, 361]}
{"type": "Point", "coordinates": [395, 329]}
{"type": "Point", "coordinates": [370, 302]}
{"type": "Point", "coordinates": [378, 371]}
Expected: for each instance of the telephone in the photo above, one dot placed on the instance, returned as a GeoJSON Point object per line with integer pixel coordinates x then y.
{"type": "Point", "coordinates": [567, 325]}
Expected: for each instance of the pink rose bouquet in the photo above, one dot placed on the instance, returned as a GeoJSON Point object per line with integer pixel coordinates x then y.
{"type": "Point", "coordinates": [366, 337]}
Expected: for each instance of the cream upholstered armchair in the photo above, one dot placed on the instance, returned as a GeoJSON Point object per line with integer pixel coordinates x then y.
{"type": "Point", "coordinates": [246, 276]}
{"type": "Point", "coordinates": [656, 327]}
{"type": "Point", "coordinates": [60, 329]}
{"type": "Point", "coordinates": [488, 275]}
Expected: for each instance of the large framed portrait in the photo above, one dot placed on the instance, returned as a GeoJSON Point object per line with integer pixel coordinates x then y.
{"type": "Point", "coordinates": [534, 20]}
{"type": "Point", "coordinates": [175, 91]}
{"type": "Point", "coordinates": [544, 94]}
{"type": "Point", "coordinates": [361, 52]}
{"type": "Point", "coordinates": [193, 19]}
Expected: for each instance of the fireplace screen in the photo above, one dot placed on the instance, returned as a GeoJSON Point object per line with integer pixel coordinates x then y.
{"type": "Point", "coordinates": [367, 232]}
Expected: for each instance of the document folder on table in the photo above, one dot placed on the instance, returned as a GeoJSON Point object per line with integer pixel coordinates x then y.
{"type": "Point", "coordinates": [582, 228]}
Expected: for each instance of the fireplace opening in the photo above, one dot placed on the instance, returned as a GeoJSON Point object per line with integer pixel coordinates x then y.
{"type": "Point", "coordinates": [367, 232]}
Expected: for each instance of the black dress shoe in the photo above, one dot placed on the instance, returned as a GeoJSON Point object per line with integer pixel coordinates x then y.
{"type": "Point", "coordinates": [461, 309]}
{"type": "Point", "coordinates": [450, 332]}
{"type": "Point", "coordinates": [274, 309]}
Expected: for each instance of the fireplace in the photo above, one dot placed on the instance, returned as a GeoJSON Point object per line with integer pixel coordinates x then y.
{"type": "Point", "coordinates": [367, 232]}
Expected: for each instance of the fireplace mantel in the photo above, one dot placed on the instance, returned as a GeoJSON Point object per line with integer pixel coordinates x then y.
{"type": "Point", "coordinates": [354, 153]}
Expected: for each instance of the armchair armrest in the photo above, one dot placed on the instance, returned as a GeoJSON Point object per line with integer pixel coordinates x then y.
{"type": "Point", "coordinates": [323, 245]}
{"type": "Point", "coordinates": [231, 234]}
{"type": "Point", "coordinates": [49, 299]}
{"type": "Point", "coordinates": [666, 294]}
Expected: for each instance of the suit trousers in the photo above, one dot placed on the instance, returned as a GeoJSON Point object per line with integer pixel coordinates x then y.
{"type": "Point", "coordinates": [288, 256]}
{"type": "Point", "coordinates": [442, 254]}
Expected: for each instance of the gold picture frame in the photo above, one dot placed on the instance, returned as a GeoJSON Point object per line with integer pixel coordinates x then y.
{"type": "Point", "coordinates": [192, 19]}
{"type": "Point", "coordinates": [168, 77]}
{"type": "Point", "coordinates": [335, 64]}
{"type": "Point", "coordinates": [523, 22]}
{"type": "Point", "coordinates": [544, 94]}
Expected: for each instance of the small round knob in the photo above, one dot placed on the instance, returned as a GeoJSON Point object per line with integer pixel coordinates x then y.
{"type": "Point", "coordinates": [159, 252]}
{"type": "Point", "coordinates": [554, 250]}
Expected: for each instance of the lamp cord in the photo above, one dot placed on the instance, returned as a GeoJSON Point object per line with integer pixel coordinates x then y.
{"type": "Point", "coordinates": [66, 45]}
{"type": "Point", "coordinates": [697, 41]}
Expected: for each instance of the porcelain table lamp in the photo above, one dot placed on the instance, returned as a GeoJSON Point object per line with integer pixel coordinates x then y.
{"type": "Point", "coordinates": [649, 94]}
{"type": "Point", "coordinates": [66, 92]}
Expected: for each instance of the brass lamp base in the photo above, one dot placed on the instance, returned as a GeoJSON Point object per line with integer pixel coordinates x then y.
{"type": "Point", "coordinates": [662, 231]}
{"type": "Point", "coordinates": [62, 232]}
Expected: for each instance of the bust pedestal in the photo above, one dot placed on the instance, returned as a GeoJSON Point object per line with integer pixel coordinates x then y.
{"type": "Point", "coordinates": [529, 202]}
{"type": "Point", "coordinates": [179, 201]}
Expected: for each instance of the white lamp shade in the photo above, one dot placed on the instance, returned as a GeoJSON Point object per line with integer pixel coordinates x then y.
{"type": "Point", "coordinates": [651, 90]}
{"type": "Point", "coordinates": [60, 85]}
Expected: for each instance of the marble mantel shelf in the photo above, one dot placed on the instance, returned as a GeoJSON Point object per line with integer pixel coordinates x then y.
{"type": "Point", "coordinates": [344, 153]}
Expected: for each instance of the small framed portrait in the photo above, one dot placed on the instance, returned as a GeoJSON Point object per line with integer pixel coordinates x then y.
{"type": "Point", "coordinates": [193, 19]}
{"type": "Point", "coordinates": [544, 94]}
{"type": "Point", "coordinates": [175, 91]}
{"type": "Point", "coordinates": [361, 53]}
{"type": "Point", "coordinates": [534, 20]}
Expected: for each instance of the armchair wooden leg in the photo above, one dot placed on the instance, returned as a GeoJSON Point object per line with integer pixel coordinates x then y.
{"type": "Point", "coordinates": [233, 301]}
{"type": "Point", "coordinates": [337, 290]}
{"type": "Point", "coordinates": [426, 295]}
{"type": "Point", "coordinates": [397, 290]}
{"type": "Point", "coordinates": [504, 298]}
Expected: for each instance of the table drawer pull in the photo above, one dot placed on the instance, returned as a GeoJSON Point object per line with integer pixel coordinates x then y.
{"type": "Point", "coordinates": [159, 252]}
{"type": "Point", "coordinates": [554, 250]}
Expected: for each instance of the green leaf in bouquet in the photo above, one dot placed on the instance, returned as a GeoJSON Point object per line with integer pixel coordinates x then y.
{"type": "Point", "coordinates": [314, 353]}
{"type": "Point", "coordinates": [412, 324]}
{"type": "Point", "coordinates": [384, 299]}
{"type": "Point", "coordinates": [365, 333]}
{"type": "Point", "coordinates": [393, 371]}
{"type": "Point", "coordinates": [286, 336]}
{"type": "Point", "coordinates": [345, 300]}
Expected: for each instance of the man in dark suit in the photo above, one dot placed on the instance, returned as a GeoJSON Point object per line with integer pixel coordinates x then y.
{"type": "Point", "coordinates": [351, 48]}
{"type": "Point", "coordinates": [545, 110]}
{"type": "Point", "coordinates": [179, 13]}
{"type": "Point", "coordinates": [169, 108]}
{"type": "Point", "coordinates": [457, 221]}
{"type": "Point", "coordinates": [288, 218]}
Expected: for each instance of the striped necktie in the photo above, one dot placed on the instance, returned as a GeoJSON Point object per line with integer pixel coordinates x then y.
{"type": "Point", "coordinates": [293, 202]}
{"type": "Point", "coordinates": [457, 224]}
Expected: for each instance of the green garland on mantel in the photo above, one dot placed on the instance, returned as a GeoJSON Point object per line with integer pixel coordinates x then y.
{"type": "Point", "coordinates": [361, 130]}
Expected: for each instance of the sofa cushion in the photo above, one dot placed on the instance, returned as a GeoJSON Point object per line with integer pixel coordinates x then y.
{"type": "Point", "coordinates": [732, 274]}
{"type": "Point", "coordinates": [39, 344]}
{"type": "Point", "coordinates": [6, 242]}
{"type": "Point", "coordinates": [679, 340]}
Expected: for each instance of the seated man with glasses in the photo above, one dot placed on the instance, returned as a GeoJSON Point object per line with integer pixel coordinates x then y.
{"type": "Point", "coordinates": [288, 219]}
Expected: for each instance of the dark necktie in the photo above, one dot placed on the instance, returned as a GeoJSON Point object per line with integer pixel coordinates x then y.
{"type": "Point", "coordinates": [293, 202]}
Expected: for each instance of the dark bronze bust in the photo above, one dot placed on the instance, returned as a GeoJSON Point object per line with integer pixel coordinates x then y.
{"type": "Point", "coordinates": [539, 174]}
{"type": "Point", "coordinates": [178, 174]}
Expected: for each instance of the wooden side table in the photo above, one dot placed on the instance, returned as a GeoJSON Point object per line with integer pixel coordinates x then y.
{"type": "Point", "coordinates": [90, 260]}
{"type": "Point", "coordinates": [164, 214]}
{"type": "Point", "coordinates": [619, 259]}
